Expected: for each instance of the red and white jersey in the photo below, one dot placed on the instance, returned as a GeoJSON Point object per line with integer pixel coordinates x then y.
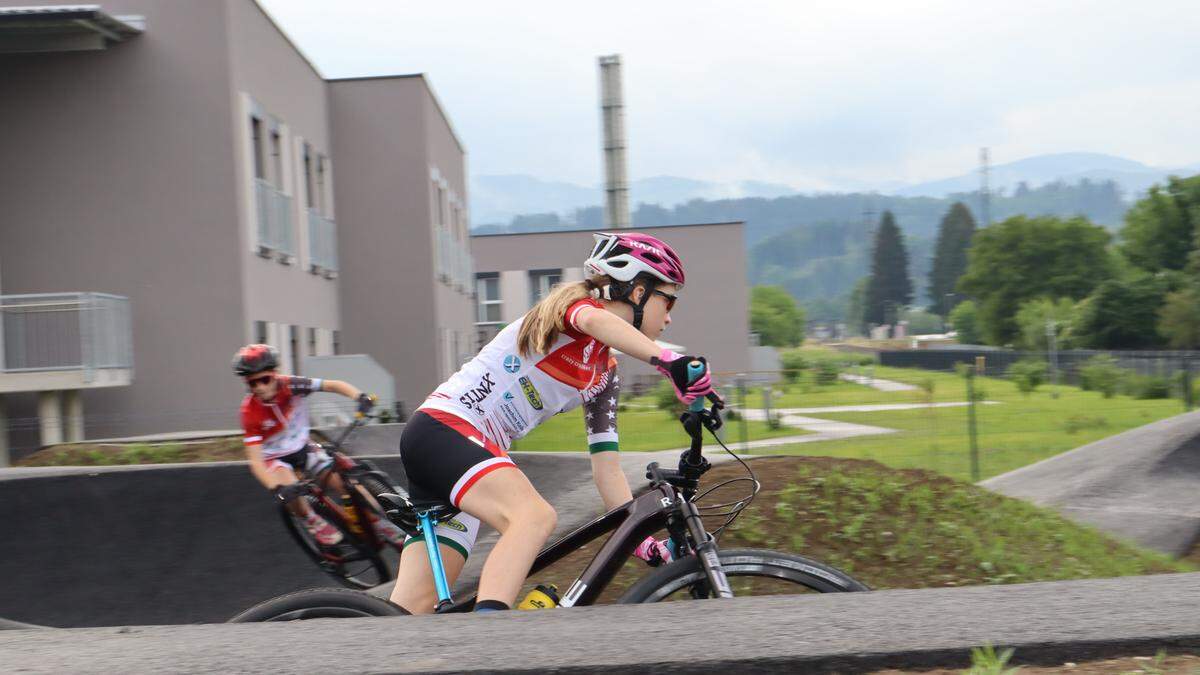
{"type": "Point", "coordinates": [504, 394]}
{"type": "Point", "coordinates": [281, 426]}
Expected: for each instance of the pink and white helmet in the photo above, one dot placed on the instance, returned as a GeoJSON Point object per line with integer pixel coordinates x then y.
{"type": "Point", "coordinates": [623, 256]}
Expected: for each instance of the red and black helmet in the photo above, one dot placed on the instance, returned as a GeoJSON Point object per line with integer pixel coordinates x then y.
{"type": "Point", "coordinates": [255, 359]}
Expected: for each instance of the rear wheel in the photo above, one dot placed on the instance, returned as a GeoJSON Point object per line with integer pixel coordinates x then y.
{"type": "Point", "coordinates": [319, 603]}
{"type": "Point", "coordinates": [352, 562]}
{"type": "Point", "coordinates": [750, 572]}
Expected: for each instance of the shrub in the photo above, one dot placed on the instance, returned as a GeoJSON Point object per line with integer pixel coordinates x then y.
{"type": "Point", "coordinates": [826, 372]}
{"type": "Point", "coordinates": [1028, 374]}
{"type": "Point", "coordinates": [1147, 386]}
{"type": "Point", "coordinates": [664, 399]}
{"type": "Point", "coordinates": [793, 362]}
{"type": "Point", "coordinates": [1101, 374]}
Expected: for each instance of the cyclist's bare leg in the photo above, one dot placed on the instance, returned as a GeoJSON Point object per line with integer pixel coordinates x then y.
{"type": "Point", "coordinates": [506, 500]}
{"type": "Point", "coordinates": [414, 589]}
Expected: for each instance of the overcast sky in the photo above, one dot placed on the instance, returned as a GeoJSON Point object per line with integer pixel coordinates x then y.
{"type": "Point", "coordinates": [811, 94]}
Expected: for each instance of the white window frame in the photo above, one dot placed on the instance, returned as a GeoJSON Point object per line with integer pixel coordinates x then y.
{"type": "Point", "coordinates": [482, 301]}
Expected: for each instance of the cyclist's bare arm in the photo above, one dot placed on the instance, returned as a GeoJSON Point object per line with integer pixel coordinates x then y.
{"type": "Point", "coordinates": [269, 479]}
{"type": "Point", "coordinates": [338, 387]}
{"type": "Point", "coordinates": [617, 333]}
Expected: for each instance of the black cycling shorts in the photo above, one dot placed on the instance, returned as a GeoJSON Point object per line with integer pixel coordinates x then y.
{"type": "Point", "coordinates": [444, 455]}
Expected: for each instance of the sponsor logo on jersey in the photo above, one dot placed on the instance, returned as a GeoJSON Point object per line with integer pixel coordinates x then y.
{"type": "Point", "coordinates": [587, 351]}
{"type": "Point", "coordinates": [512, 363]}
{"type": "Point", "coordinates": [512, 418]}
{"type": "Point", "coordinates": [508, 396]}
{"type": "Point", "coordinates": [531, 393]}
{"type": "Point", "coordinates": [479, 394]}
{"type": "Point", "coordinates": [592, 391]}
{"type": "Point", "coordinates": [268, 424]}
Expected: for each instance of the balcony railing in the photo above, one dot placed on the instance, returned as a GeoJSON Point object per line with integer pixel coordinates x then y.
{"type": "Point", "coordinates": [274, 210]}
{"type": "Point", "coordinates": [65, 331]}
{"type": "Point", "coordinates": [322, 242]}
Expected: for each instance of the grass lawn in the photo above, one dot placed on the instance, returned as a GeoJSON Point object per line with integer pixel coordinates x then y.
{"type": "Point", "coordinates": [641, 428]}
{"type": "Point", "coordinates": [894, 528]}
{"type": "Point", "coordinates": [1018, 431]}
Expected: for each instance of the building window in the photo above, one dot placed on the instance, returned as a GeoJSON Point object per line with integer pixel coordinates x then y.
{"type": "Point", "coordinates": [319, 201]}
{"type": "Point", "coordinates": [256, 126]}
{"type": "Point", "coordinates": [276, 159]}
{"type": "Point", "coordinates": [309, 192]}
{"type": "Point", "coordinates": [540, 283]}
{"type": "Point", "coordinates": [337, 342]}
{"type": "Point", "coordinates": [487, 293]}
{"type": "Point", "coordinates": [260, 332]}
{"type": "Point", "coordinates": [294, 343]}
{"type": "Point", "coordinates": [312, 341]}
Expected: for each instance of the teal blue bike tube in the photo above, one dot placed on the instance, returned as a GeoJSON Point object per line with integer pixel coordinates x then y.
{"type": "Point", "coordinates": [435, 557]}
{"type": "Point", "coordinates": [695, 370]}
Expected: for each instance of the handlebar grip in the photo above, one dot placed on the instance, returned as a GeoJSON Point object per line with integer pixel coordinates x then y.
{"type": "Point", "coordinates": [695, 370]}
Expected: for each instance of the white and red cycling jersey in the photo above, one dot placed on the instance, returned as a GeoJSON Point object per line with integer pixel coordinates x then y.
{"type": "Point", "coordinates": [281, 425]}
{"type": "Point", "coordinates": [505, 394]}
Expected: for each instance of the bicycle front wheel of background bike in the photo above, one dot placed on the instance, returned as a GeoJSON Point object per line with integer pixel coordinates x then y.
{"type": "Point", "coordinates": [353, 563]}
{"type": "Point", "coordinates": [750, 572]}
{"type": "Point", "coordinates": [319, 603]}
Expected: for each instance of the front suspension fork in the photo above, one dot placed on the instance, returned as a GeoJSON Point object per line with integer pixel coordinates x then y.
{"type": "Point", "coordinates": [705, 547]}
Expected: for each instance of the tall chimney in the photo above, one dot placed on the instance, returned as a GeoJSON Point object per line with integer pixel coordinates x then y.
{"type": "Point", "coordinates": [612, 110]}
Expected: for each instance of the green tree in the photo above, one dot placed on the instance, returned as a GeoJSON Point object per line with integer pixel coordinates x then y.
{"type": "Point", "coordinates": [950, 258]}
{"type": "Point", "coordinates": [1122, 314]}
{"type": "Point", "coordinates": [921, 322]}
{"type": "Point", "coordinates": [889, 289]}
{"type": "Point", "coordinates": [964, 319]}
{"type": "Point", "coordinates": [1179, 319]}
{"type": "Point", "coordinates": [1035, 315]}
{"type": "Point", "coordinates": [1023, 258]}
{"type": "Point", "coordinates": [856, 307]}
{"type": "Point", "coordinates": [1160, 229]}
{"type": "Point", "coordinates": [775, 317]}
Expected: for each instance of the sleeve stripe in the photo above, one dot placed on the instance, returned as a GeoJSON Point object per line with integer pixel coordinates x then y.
{"type": "Point", "coordinates": [604, 446]}
{"type": "Point", "coordinates": [575, 312]}
{"type": "Point", "coordinates": [253, 440]}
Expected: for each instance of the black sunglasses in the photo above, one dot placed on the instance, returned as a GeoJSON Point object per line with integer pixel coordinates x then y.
{"type": "Point", "coordinates": [263, 379]}
{"type": "Point", "coordinates": [670, 298]}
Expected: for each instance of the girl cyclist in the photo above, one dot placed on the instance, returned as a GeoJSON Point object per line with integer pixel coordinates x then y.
{"type": "Point", "coordinates": [552, 360]}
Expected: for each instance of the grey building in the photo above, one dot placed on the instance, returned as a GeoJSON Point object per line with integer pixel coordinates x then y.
{"type": "Point", "coordinates": [185, 156]}
{"type": "Point", "coordinates": [711, 318]}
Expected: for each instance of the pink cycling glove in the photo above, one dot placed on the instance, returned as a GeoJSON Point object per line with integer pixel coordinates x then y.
{"type": "Point", "coordinates": [653, 551]}
{"type": "Point", "coordinates": [674, 366]}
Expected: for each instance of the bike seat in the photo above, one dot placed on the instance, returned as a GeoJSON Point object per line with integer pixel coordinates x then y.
{"type": "Point", "coordinates": [437, 509]}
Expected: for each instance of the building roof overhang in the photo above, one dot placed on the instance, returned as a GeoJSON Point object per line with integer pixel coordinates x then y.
{"type": "Point", "coordinates": [64, 28]}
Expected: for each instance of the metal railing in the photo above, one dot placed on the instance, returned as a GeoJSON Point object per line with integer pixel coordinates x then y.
{"type": "Point", "coordinates": [322, 241]}
{"type": "Point", "coordinates": [65, 331]}
{"type": "Point", "coordinates": [274, 210]}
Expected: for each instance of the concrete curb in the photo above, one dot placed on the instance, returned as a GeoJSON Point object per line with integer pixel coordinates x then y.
{"type": "Point", "coordinates": [1046, 623]}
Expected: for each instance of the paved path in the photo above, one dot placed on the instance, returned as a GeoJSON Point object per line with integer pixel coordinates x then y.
{"type": "Point", "coordinates": [876, 383]}
{"type": "Point", "coordinates": [1046, 623]}
{"type": "Point", "coordinates": [1143, 484]}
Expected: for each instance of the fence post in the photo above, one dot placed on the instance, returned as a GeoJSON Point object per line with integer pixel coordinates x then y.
{"type": "Point", "coordinates": [971, 431]}
{"type": "Point", "coordinates": [741, 387]}
{"type": "Point", "coordinates": [1186, 379]}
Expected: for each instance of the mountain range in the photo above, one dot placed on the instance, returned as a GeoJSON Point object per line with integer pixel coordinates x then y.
{"type": "Point", "coordinates": [496, 199]}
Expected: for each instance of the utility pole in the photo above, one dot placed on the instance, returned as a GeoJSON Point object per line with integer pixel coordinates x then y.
{"type": "Point", "coordinates": [985, 195]}
{"type": "Point", "coordinates": [1052, 345]}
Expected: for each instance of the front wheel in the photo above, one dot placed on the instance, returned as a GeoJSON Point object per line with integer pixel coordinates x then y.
{"type": "Point", "coordinates": [319, 603]}
{"type": "Point", "coordinates": [750, 572]}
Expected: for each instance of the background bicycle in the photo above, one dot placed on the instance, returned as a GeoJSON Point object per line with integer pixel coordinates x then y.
{"type": "Point", "coordinates": [367, 554]}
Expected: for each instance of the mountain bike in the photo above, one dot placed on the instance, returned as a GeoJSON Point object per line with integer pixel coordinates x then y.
{"type": "Point", "coordinates": [700, 569]}
{"type": "Point", "coordinates": [357, 561]}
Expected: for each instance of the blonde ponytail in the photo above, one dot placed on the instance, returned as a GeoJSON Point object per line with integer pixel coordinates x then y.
{"type": "Point", "coordinates": [547, 319]}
